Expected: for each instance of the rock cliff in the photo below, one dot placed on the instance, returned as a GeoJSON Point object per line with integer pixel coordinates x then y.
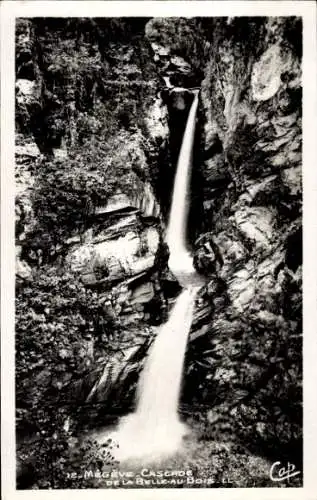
{"type": "Point", "coordinates": [101, 109]}
{"type": "Point", "coordinates": [92, 129]}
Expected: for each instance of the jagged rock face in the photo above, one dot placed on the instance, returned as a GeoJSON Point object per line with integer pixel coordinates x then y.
{"type": "Point", "coordinates": [27, 157]}
{"type": "Point", "coordinates": [131, 252]}
{"type": "Point", "coordinates": [144, 201]}
{"type": "Point", "coordinates": [252, 201]}
{"type": "Point", "coordinates": [114, 377]}
{"type": "Point", "coordinates": [92, 130]}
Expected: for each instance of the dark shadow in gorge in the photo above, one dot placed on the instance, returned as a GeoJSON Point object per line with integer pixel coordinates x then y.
{"type": "Point", "coordinates": [178, 110]}
{"type": "Point", "coordinates": [195, 221]}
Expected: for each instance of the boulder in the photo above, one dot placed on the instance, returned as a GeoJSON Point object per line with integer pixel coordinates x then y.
{"type": "Point", "coordinates": [127, 255]}
{"type": "Point", "coordinates": [22, 269]}
{"type": "Point", "coordinates": [180, 64]}
{"type": "Point", "coordinates": [267, 71]}
{"type": "Point", "coordinates": [215, 170]}
{"type": "Point", "coordinates": [143, 200]}
{"type": "Point", "coordinates": [143, 293]}
{"type": "Point", "coordinates": [232, 250]}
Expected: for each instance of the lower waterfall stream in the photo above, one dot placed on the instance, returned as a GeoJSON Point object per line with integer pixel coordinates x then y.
{"type": "Point", "coordinates": [155, 430]}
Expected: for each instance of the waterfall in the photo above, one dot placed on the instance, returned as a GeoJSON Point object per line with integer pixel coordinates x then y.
{"type": "Point", "coordinates": [155, 429]}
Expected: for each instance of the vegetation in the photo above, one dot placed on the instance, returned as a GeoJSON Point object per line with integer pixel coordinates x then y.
{"type": "Point", "coordinates": [55, 459]}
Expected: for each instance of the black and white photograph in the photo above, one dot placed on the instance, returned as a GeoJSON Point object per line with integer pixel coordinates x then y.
{"type": "Point", "coordinates": [158, 194]}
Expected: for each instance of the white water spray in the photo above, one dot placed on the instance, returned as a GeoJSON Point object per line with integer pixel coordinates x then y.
{"type": "Point", "coordinates": [155, 430]}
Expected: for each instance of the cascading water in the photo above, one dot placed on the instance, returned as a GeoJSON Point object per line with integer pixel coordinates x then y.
{"type": "Point", "coordinates": [155, 429]}
{"type": "Point", "coordinates": [180, 260]}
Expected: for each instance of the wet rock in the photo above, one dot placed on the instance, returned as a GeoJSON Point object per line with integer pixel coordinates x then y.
{"type": "Point", "coordinates": [169, 285]}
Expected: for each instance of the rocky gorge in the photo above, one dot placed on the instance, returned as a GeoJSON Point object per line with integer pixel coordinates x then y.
{"type": "Point", "coordinates": [101, 107]}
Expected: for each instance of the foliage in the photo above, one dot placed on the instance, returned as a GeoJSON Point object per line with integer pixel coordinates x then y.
{"type": "Point", "coordinates": [54, 315]}
{"type": "Point", "coordinates": [57, 340]}
{"type": "Point", "coordinates": [82, 65]}
{"type": "Point", "coordinates": [67, 191]}
{"type": "Point", "coordinates": [55, 459]}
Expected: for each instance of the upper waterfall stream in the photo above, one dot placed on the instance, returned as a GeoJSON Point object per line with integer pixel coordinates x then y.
{"type": "Point", "coordinates": [155, 430]}
{"type": "Point", "coordinates": [180, 261]}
